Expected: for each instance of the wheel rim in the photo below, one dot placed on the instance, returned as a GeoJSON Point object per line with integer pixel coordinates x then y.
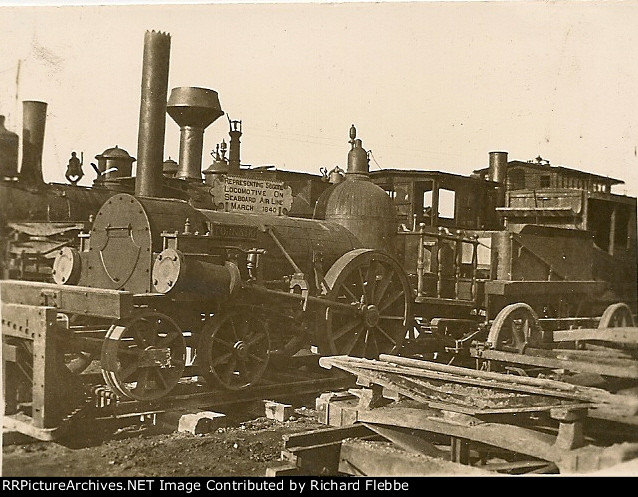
{"type": "Point", "coordinates": [615, 316]}
{"type": "Point", "coordinates": [234, 349]}
{"type": "Point", "coordinates": [144, 357]}
{"type": "Point", "coordinates": [515, 327]}
{"type": "Point", "coordinates": [376, 288]}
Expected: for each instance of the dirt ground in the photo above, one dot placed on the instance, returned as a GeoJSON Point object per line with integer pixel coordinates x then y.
{"type": "Point", "coordinates": [247, 446]}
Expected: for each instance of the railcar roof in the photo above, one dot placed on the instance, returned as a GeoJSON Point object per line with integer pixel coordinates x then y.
{"type": "Point", "coordinates": [566, 171]}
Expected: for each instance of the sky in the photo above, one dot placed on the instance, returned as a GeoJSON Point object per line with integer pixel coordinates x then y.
{"type": "Point", "coordinates": [429, 85]}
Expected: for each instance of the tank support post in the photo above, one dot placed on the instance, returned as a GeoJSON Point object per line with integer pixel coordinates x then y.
{"type": "Point", "coordinates": [24, 328]}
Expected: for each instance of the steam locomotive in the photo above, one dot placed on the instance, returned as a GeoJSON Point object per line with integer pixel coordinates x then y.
{"type": "Point", "coordinates": [422, 262]}
{"type": "Point", "coordinates": [37, 218]}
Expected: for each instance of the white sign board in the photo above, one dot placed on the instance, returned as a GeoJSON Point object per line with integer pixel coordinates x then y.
{"type": "Point", "coordinates": [255, 196]}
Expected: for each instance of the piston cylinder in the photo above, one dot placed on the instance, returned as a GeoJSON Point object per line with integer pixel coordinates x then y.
{"type": "Point", "coordinates": [174, 272]}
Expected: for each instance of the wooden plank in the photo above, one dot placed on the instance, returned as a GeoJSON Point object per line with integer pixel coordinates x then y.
{"type": "Point", "coordinates": [443, 372]}
{"type": "Point", "coordinates": [545, 386]}
{"type": "Point", "coordinates": [509, 437]}
{"type": "Point", "coordinates": [538, 357]}
{"type": "Point", "coordinates": [323, 436]}
{"type": "Point", "coordinates": [25, 426]}
{"type": "Point", "coordinates": [415, 390]}
{"type": "Point", "coordinates": [598, 352]}
{"type": "Point", "coordinates": [625, 334]}
{"type": "Point", "coordinates": [518, 467]}
{"type": "Point", "coordinates": [364, 458]}
{"type": "Point", "coordinates": [97, 302]}
{"type": "Point", "coordinates": [509, 288]}
{"type": "Point", "coordinates": [406, 440]}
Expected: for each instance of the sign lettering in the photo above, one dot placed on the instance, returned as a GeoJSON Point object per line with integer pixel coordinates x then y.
{"type": "Point", "coordinates": [256, 196]}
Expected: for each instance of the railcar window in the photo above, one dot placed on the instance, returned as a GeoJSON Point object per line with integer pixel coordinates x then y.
{"type": "Point", "coordinates": [447, 203]}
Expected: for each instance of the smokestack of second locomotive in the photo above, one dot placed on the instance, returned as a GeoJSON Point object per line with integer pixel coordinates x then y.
{"type": "Point", "coordinates": [152, 128]}
{"type": "Point", "coordinates": [34, 116]}
{"type": "Point", "coordinates": [498, 167]}
{"type": "Point", "coordinates": [497, 172]}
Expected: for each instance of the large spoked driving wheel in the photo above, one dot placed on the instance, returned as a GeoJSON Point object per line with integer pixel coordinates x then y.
{"type": "Point", "coordinates": [375, 310]}
{"type": "Point", "coordinates": [143, 357]}
{"type": "Point", "coordinates": [615, 316]}
{"type": "Point", "coordinates": [515, 327]}
{"type": "Point", "coordinates": [234, 348]}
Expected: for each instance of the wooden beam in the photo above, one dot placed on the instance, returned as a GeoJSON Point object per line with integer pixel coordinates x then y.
{"type": "Point", "coordinates": [442, 372]}
{"type": "Point", "coordinates": [623, 368]}
{"type": "Point", "coordinates": [97, 302]}
{"type": "Point", "coordinates": [323, 436]}
{"type": "Point", "coordinates": [510, 437]}
{"type": "Point", "coordinates": [363, 458]}
{"type": "Point", "coordinates": [406, 440]}
{"type": "Point", "coordinates": [625, 334]}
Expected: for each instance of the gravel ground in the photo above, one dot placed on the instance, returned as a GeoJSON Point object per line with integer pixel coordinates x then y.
{"type": "Point", "coordinates": [246, 447]}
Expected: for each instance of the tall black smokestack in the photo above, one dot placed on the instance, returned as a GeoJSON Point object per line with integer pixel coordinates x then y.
{"type": "Point", "coordinates": [150, 138]}
{"type": "Point", "coordinates": [34, 117]}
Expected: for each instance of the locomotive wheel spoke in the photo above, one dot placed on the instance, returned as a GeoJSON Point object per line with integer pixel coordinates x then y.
{"type": "Point", "coordinates": [389, 337]}
{"type": "Point", "coordinates": [159, 374]}
{"type": "Point", "coordinates": [131, 351]}
{"type": "Point", "coordinates": [142, 382]}
{"type": "Point", "coordinates": [255, 340]}
{"type": "Point", "coordinates": [234, 329]}
{"type": "Point", "coordinates": [168, 339]}
{"type": "Point", "coordinates": [377, 276]}
{"type": "Point", "coordinates": [371, 339]}
{"type": "Point", "coordinates": [352, 343]}
{"type": "Point", "coordinates": [223, 342]}
{"type": "Point", "coordinates": [386, 281]}
{"type": "Point", "coordinates": [221, 359]}
{"type": "Point", "coordinates": [126, 372]}
{"type": "Point", "coordinates": [139, 339]}
{"type": "Point", "coordinates": [257, 358]}
{"type": "Point", "coordinates": [242, 335]}
{"type": "Point", "coordinates": [379, 321]}
{"type": "Point", "coordinates": [362, 283]}
{"type": "Point", "coordinates": [391, 301]}
{"type": "Point", "coordinates": [353, 297]}
{"type": "Point", "coordinates": [345, 329]}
